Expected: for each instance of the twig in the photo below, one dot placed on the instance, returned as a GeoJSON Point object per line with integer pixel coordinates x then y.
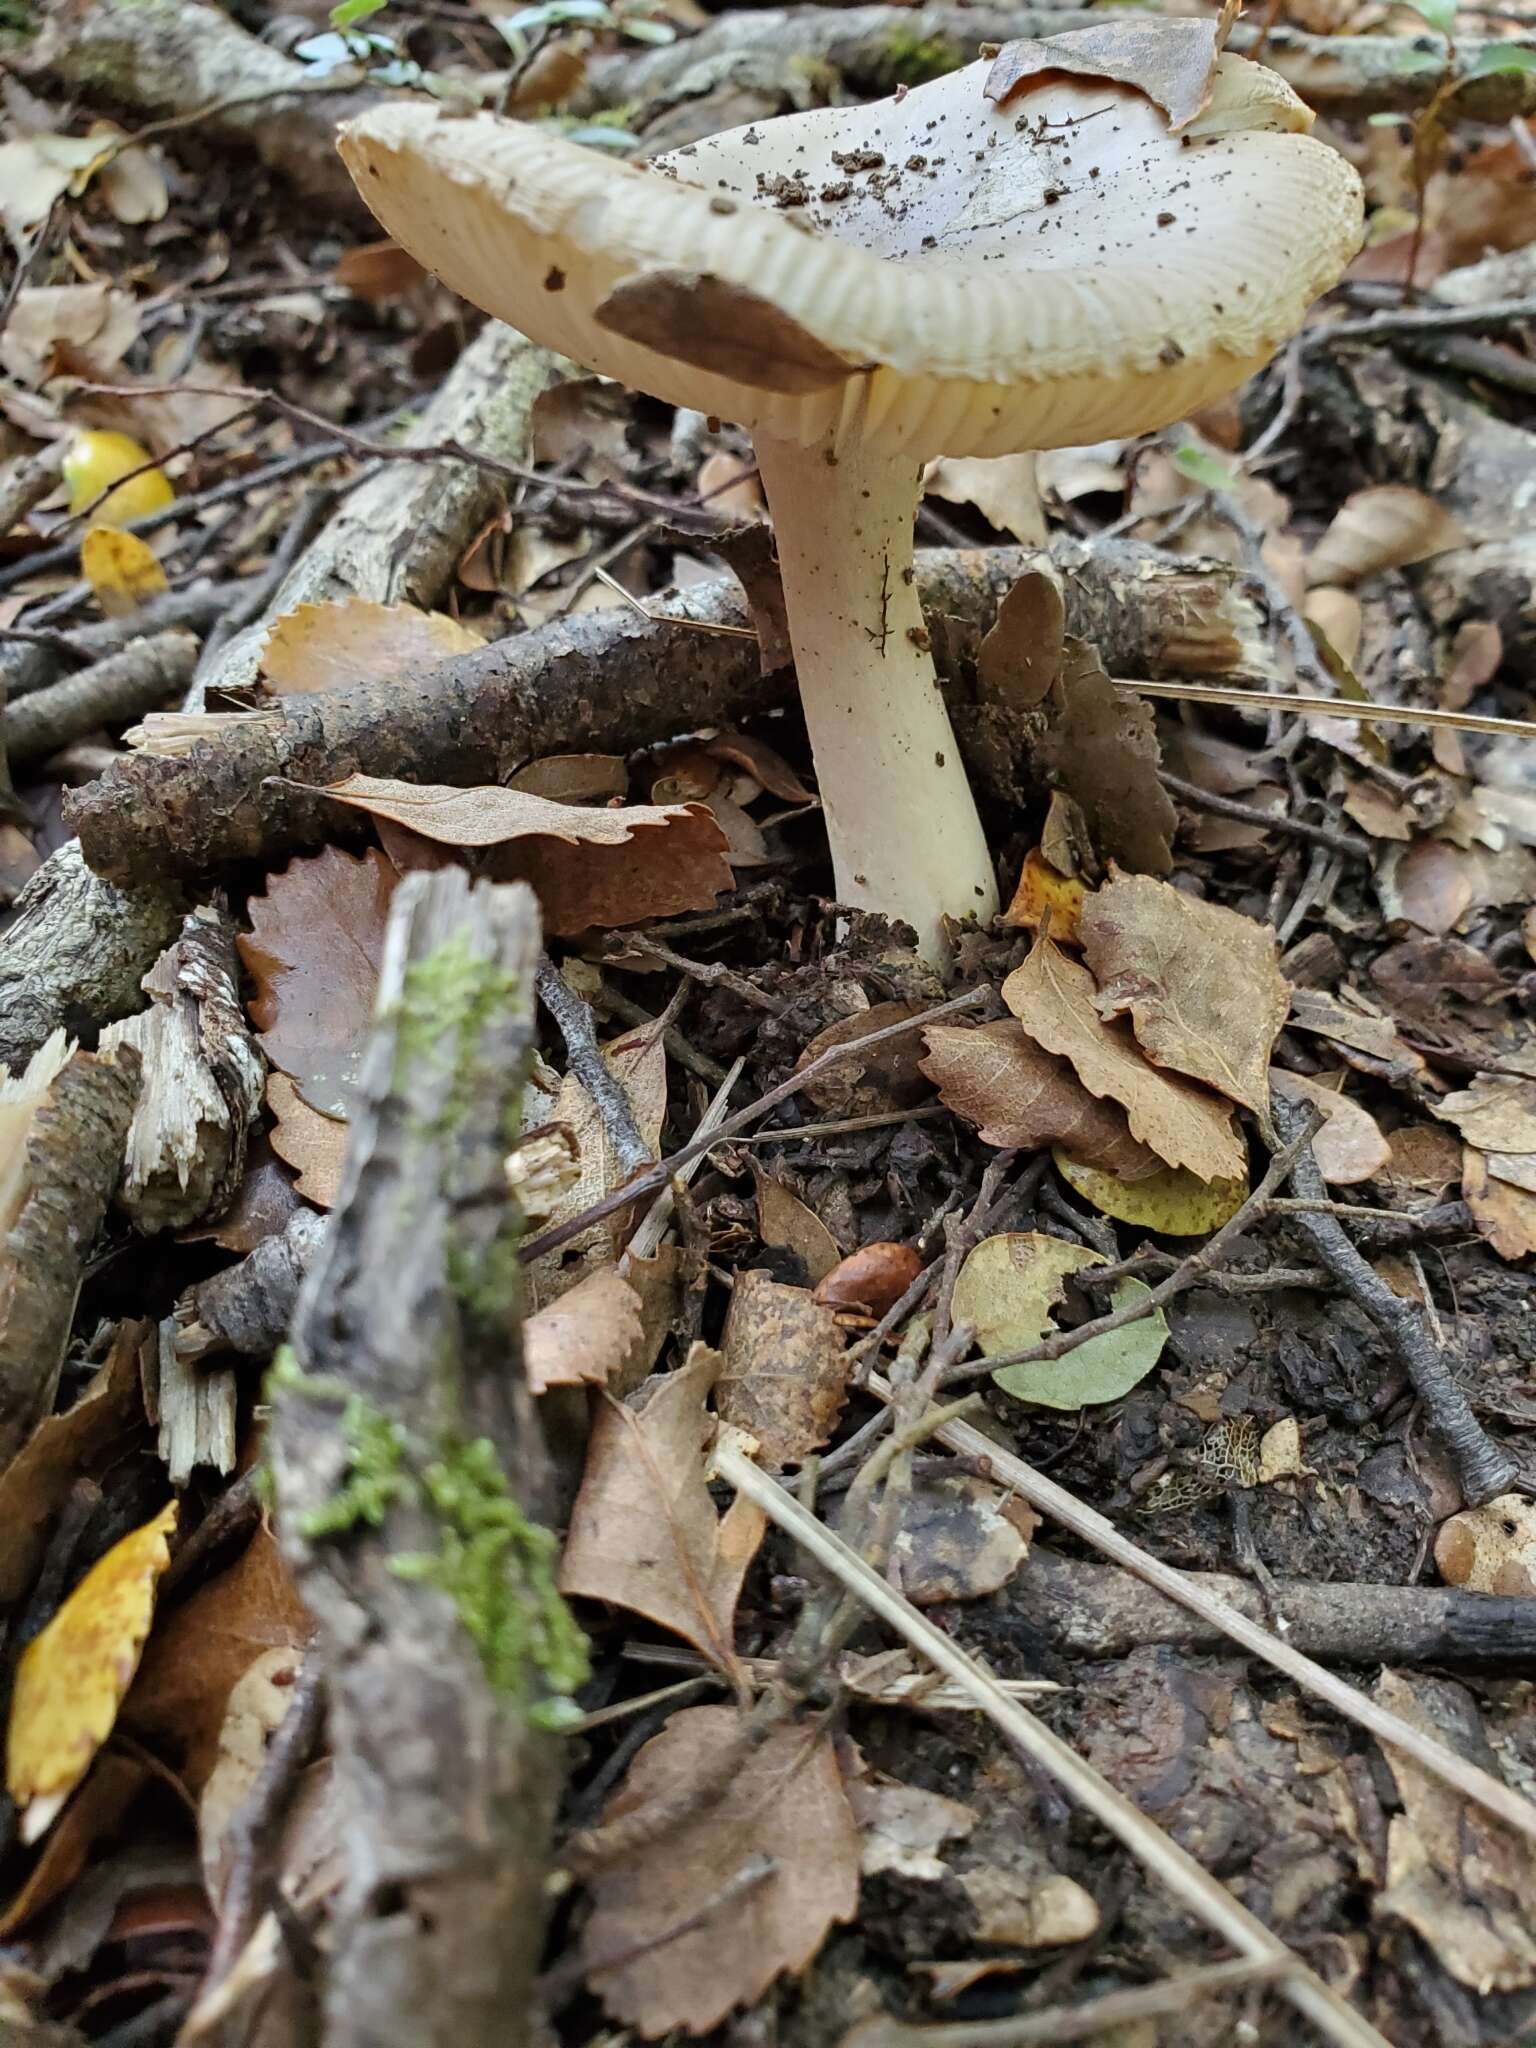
{"type": "Point", "coordinates": [576, 1025]}
{"type": "Point", "coordinates": [254, 1831]}
{"type": "Point", "coordinates": [1417, 320]}
{"type": "Point", "coordinates": [657, 1177]}
{"type": "Point", "coordinates": [710, 973]}
{"type": "Point", "coordinates": [1184, 1275]}
{"type": "Point", "coordinates": [113, 691]}
{"type": "Point", "coordinates": [1349, 844]}
{"type": "Point", "coordinates": [1192, 1885]}
{"type": "Point", "coordinates": [565, 1976]}
{"type": "Point", "coordinates": [1484, 1470]}
{"type": "Point", "coordinates": [1331, 707]}
{"type": "Point", "coordinates": [1033, 1486]}
{"type": "Point", "coordinates": [1115, 2009]}
{"type": "Point", "coordinates": [656, 1221]}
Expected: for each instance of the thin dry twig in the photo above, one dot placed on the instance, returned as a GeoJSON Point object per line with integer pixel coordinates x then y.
{"type": "Point", "coordinates": [1192, 1885]}
{"type": "Point", "coordinates": [1330, 707]}
{"type": "Point", "coordinates": [1349, 844]}
{"type": "Point", "coordinates": [578, 1028]}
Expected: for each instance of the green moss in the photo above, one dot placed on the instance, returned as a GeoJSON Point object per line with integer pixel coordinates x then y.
{"type": "Point", "coordinates": [911, 59]}
{"type": "Point", "coordinates": [446, 1004]}
{"type": "Point", "coordinates": [498, 1568]}
{"type": "Point", "coordinates": [376, 1475]}
{"type": "Point", "coordinates": [17, 18]}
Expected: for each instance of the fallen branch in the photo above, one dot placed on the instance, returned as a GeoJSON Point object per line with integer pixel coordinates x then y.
{"type": "Point", "coordinates": [30, 662]}
{"type": "Point", "coordinates": [610, 681]}
{"type": "Point", "coordinates": [112, 692]}
{"type": "Point", "coordinates": [574, 1020]}
{"type": "Point", "coordinates": [1193, 1886]}
{"type": "Point", "coordinates": [1485, 1471]}
{"type": "Point", "coordinates": [876, 47]}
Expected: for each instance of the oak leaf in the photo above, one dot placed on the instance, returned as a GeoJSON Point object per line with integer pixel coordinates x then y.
{"type": "Point", "coordinates": [315, 1146]}
{"type": "Point", "coordinates": [786, 1805]}
{"type": "Point", "coordinates": [72, 1677]}
{"type": "Point", "coordinates": [1101, 748]}
{"type": "Point", "coordinates": [586, 1336]}
{"type": "Point", "coordinates": [330, 646]}
{"type": "Point", "coordinates": [313, 951]}
{"type": "Point", "coordinates": [784, 1369]}
{"type": "Point", "coordinates": [644, 1531]}
{"type": "Point", "coordinates": [1172, 62]}
{"type": "Point", "coordinates": [1022, 1097]}
{"type": "Point", "coordinates": [1055, 1000]}
{"type": "Point", "coordinates": [1202, 985]}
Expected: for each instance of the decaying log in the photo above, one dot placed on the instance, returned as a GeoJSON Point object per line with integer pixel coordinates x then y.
{"type": "Point", "coordinates": [192, 1406]}
{"type": "Point", "coordinates": [120, 687]}
{"type": "Point", "coordinates": [202, 1086]}
{"type": "Point", "coordinates": [877, 48]}
{"type": "Point", "coordinates": [247, 1308]}
{"type": "Point", "coordinates": [398, 537]}
{"type": "Point", "coordinates": [1097, 1610]}
{"type": "Point", "coordinates": [177, 57]}
{"type": "Point", "coordinates": [77, 951]}
{"type": "Point", "coordinates": [403, 1424]}
{"type": "Point", "coordinates": [62, 1126]}
{"type": "Point", "coordinates": [611, 681]}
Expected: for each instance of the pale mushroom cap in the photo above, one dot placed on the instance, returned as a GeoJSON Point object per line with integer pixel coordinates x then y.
{"type": "Point", "coordinates": [1046, 274]}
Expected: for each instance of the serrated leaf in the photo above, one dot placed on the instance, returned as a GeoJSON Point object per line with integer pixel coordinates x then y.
{"type": "Point", "coordinates": [1101, 1369]}
{"type": "Point", "coordinates": [1173, 1201]}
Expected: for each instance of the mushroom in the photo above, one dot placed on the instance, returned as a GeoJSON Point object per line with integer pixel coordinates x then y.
{"type": "Point", "coordinates": [866, 288]}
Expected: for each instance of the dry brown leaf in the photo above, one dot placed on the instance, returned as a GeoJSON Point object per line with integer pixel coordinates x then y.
{"type": "Point", "coordinates": [315, 1146]}
{"type": "Point", "coordinates": [1002, 488]}
{"type": "Point", "coordinates": [765, 764]}
{"type": "Point", "coordinates": [644, 1533]}
{"type": "Point", "coordinates": [1022, 1097]}
{"type": "Point", "coordinates": [330, 646]}
{"type": "Point", "coordinates": [1101, 748]}
{"type": "Point", "coordinates": [1338, 616]}
{"type": "Point", "coordinates": [1473, 659]}
{"type": "Point", "coordinates": [1385, 526]}
{"type": "Point", "coordinates": [1355, 1027]}
{"type": "Point", "coordinates": [90, 1817]}
{"type": "Point", "coordinates": [265, 1202]}
{"type": "Point", "coordinates": [1022, 655]}
{"type": "Point", "coordinates": [889, 1076]}
{"type": "Point", "coordinates": [1202, 984]}
{"type": "Point", "coordinates": [581, 418]}
{"type": "Point", "coordinates": [872, 1279]}
{"type": "Point", "coordinates": [1459, 1878]}
{"type": "Point", "coordinates": [902, 1827]}
{"type": "Point", "coordinates": [492, 815]}
{"type": "Point", "coordinates": [200, 1650]}
{"type": "Point", "coordinates": [1433, 885]}
{"type": "Point", "coordinates": [96, 323]}
{"type": "Point", "coordinates": [313, 951]}
{"type": "Point", "coordinates": [660, 873]}
{"type": "Point", "coordinates": [1172, 62]}
{"type": "Point", "coordinates": [638, 1061]}
{"type": "Point", "coordinates": [378, 272]}
{"type": "Point", "coordinates": [585, 1337]}
{"type": "Point", "coordinates": [955, 1540]}
{"type": "Point", "coordinates": [1497, 1113]}
{"type": "Point", "coordinates": [1055, 1000]}
{"type": "Point", "coordinates": [1349, 1147]}
{"type": "Point", "coordinates": [573, 778]}
{"type": "Point", "coordinates": [1505, 1215]}
{"type": "Point", "coordinates": [785, 1222]}
{"type": "Point", "coordinates": [783, 1368]}
{"type": "Point", "coordinates": [787, 1804]}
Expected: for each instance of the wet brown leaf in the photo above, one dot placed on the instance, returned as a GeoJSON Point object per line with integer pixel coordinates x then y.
{"type": "Point", "coordinates": [1022, 1097]}
{"type": "Point", "coordinates": [586, 1336]}
{"type": "Point", "coordinates": [330, 646]}
{"type": "Point", "coordinates": [644, 1532]}
{"type": "Point", "coordinates": [313, 952]}
{"type": "Point", "coordinates": [1172, 62]}
{"type": "Point", "coordinates": [1101, 748]}
{"type": "Point", "coordinates": [873, 1279]}
{"type": "Point", "coordinates": [1202, 985]}
{"type": "Point", "coordinates": [783, 1370]}
{"type": "Point", "coordinates": [788, 1804]}
{"type": "Point", "coordinates": [378, 272]}
{"type": "Point", "coordinates": [1434, 885]}
{"type": "Point", "coordinates": [1385, 526]}
{"type": "Point", "coordinates": [1055, 1000]}
{"type": "Point", "coordinates": [1023, 653]}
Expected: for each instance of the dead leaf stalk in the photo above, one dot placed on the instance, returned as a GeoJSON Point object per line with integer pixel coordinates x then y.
{"type": "Point", "coordinates": [1485, 1470]}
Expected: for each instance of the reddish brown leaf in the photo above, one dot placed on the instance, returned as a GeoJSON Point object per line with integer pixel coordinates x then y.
{"type": "Point", "coordinates": [315, 1146]}
{"type": "Point", "coordinates": [874, 1278]}
{"type": "Point", "coordinates": [1021, 1096]}
{"type": "Point", "coordinates": [787, 1804]}
{"type": "Point", "coordinates": [378, 272]}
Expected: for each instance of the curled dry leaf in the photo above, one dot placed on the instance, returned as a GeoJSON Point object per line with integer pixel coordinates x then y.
{"type": "Point", "coordinates": [1432, 884]}
{"type": "Point", "coordinates": [644, 1531]}
{"type": "Point", "coordinates": [785, 1222]}
{"type": "Point", "coordinates": [902, 1827]}
{"type": "Point", "coordinates": [1172, 62]}
{"type": "Point", "coordinates": [1002, 488]}
{"type": "Point", "coordinates": [1046, 898]}
{"type": "Point", "coordinates": [1202, 985]}
{"type": "Point", "coordinates": [1056, 1002]}
{"type": "Point", "coordinates": [1349, 1147]}
{"type": "Point", "coordinates": [1101, 748]}
{"type": "Point", "coordinates": [1492, 1548]}
{"type": "Point", "coordinates": [492, 815]}
{"type": "Point", "coordinates": [586, 1337]}
{"type": "Point", "coordinates": [330, 646]}
{"type": "Point", "coordinates": [315, 1146]}
{"type": "Point", "coordinates": [313, 952]}
{"type": "Point", "coordinates": [72, 1677]}
{"type": "Point", "coordinates": [1497, 1113]}
{"type": "Point", "coordinates": [573, 778]}
{"type": "Point", "coordinates": [786, 1805]}
{"type": "Point", "coordinates": [1172, 1200]}
{"type": "Point", "coordinates": [1505, 1214]}
{"type": "Point", "coordinates": [873, 1279]}
{"type": "Point", "coordinates": [1386, 526]}
{"type": "Point", "coordinates": [1021, 1097]}
{"type": "Point", "coordinates": [783, 1371]}
{"type": "Point", "coordinates": [956, 1540]}
{"type": "Point", "coordinates": [765, 764]}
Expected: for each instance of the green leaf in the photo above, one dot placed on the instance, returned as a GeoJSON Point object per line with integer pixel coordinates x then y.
{"type": "Point", "coordinates": [1203, 468]}
{"type": "Point", "coordinates": [1102, 1369]}
{"type": "Point", "coordinates": [1409, 60]}
{"type": "Point", "coordinates": [1010, 1283]}
{"type": "Point", "coordinates": [1440, 14]}
{"type": "Point", "coordinates": [1495, 57]}
{"type": "Point", "coordinates": [642, 31]}
{"type": "Point", "coordinates": [350, 12]}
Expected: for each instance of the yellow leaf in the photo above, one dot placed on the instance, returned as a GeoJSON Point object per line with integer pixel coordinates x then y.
{"type": "Point", "coordinates": [1043, 889]}
{"type": "Point", "coordinates": [1174, 1201]}
{"type": "Point", "coordinates": [72, 1678]}
{"type": "Point", "coordinates": [121, 569]}
{"type": "Point", "coordinates": [97, 459]}
{"type": "Point", "coordinates": [328, 646]}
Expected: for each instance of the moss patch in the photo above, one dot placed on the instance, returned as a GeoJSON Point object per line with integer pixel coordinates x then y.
{"type": "Point", "coordinates": [912, 59]}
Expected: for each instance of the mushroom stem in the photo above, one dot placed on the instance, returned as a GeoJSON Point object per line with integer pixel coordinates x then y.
{"type": "Point", "coordinates": [906, 840]}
